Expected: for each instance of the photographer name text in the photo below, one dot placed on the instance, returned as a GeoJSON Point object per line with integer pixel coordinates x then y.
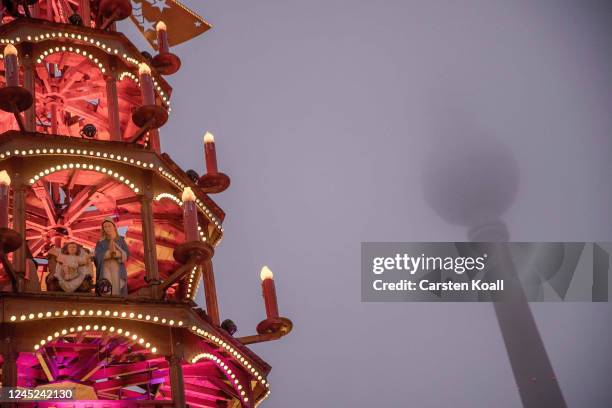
{"type": "Point", "coordinates": [426, 285]}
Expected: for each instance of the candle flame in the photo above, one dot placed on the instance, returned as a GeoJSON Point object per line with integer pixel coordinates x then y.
{"type": "Point", "coordinates": [4, 178]}
{"type": "Point", "coordinates": [143, 69]}
{"type": "Point", "coordinates": [188, 194]}
{"type": "Point", "coordinates": [161, 26]}
{"type": "Point", "coordinates": [266, 273]}
{"type": "Point", "coordinates": [10, 50]}
{"type": "Point", "coordinates": [209, 138]}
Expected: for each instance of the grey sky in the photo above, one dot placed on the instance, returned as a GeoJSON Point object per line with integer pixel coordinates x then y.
{"type": "Point", "coordinates": [324, 114]}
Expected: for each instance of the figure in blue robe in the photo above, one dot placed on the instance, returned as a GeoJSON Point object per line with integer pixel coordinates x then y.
{"type": "Point", "coordinates": [110, 256]}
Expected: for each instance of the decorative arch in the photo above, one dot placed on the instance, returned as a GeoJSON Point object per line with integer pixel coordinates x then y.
{"type": "Point", "coordinates": [169, 196]}
{"type": "Point", "coordinates": [76, 50]}
{"type": "Point", "coordinates": [88, 167]}
{"type": "Point", "coordinates": [227, 371]}
{"type": "Point", "coordinates": [95, 327]}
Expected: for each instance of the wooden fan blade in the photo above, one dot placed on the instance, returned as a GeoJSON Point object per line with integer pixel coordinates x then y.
{"type": "Point", "coordinates": [182, 23]}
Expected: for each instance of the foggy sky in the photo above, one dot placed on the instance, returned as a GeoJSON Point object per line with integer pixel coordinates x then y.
{"type": "Point", "coordinates": [324, 114]}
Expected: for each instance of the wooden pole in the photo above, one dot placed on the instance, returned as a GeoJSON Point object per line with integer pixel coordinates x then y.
{"type": "Point", "coordinates": [9, 373]}
{"type": "Point", "coordinates": [113, 108]}
{"type": "Point", "coordinates": [9, 359]}
{"type": "Point", "coordinates": [85, 12]}
{"type": "Point", "coordinates": [35, 10]}
{"type": "Point", "coordinates": [19, 221]}
{"type": "Point", "coordinates": [148, 234]}
{"type": "Point", "coordinates": [177, 384]}
{"type": "Point", "coordinates": [50, 10]}
{"type": "Point", "coordinates": [154, 143]}
{"type": "Point", "coordinates": [210, 292]}
{"type": "Point", "coordinates": [29, 83]}
{"type": "Point", "coordinates": [112, 101]}
{"type": "Point", "coordinates": [259, 338]}
{"type": "Point", "coordinates": [54, 118]}
{"type": "Point", "coordinates": [4, 205]}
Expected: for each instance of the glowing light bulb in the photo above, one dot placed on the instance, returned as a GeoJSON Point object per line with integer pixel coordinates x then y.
{"type": "Point", "coordinates": [4, 178]}
{"type": "Point", "coordinates": [10, 50]}
{"type": "Point", "coordinates": [143, 69]}
{"type": "Point", "coordinates": [188, 194]}
{"type": "Point", "coordinates": [209, 138]}
{"type": "Point", "coordinates": [266, 273]}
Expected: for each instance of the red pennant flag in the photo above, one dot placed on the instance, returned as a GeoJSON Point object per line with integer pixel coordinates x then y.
{"type": "Point", "coordinates": [182, 23]}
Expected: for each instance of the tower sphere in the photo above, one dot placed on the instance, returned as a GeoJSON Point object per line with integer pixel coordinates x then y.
{"type": "Point", "coordinates": [469, 178]}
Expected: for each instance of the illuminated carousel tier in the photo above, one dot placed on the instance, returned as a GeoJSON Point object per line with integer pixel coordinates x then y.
{"type": "Point", "coordinates": [79, 76]}
{"type": "Point", "coordinates": [71, 185]}
{"type": "Point", "coordinates": [126, 353]}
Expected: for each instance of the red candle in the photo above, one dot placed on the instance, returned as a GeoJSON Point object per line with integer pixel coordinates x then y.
{"type": "Point", "coordinates": [269, 292]}
{"type": "Point", "coordinates": [5, 182]}
{"type": "Point", "coordinates": [146, 84]}
{"type": "Point", "coordinates": [11, 69]}
{"type": "Point", "coordinates": [162, 38]}
{"type": "Point", "coordinates": [210, 153]}
{"type": "Point", "coordinates": [190, 215]}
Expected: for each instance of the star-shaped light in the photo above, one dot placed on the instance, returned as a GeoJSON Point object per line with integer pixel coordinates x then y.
{"type": "Point", "coordinates": [161, 5]}
{"type": "Point", "coordinates": [147, 25]}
